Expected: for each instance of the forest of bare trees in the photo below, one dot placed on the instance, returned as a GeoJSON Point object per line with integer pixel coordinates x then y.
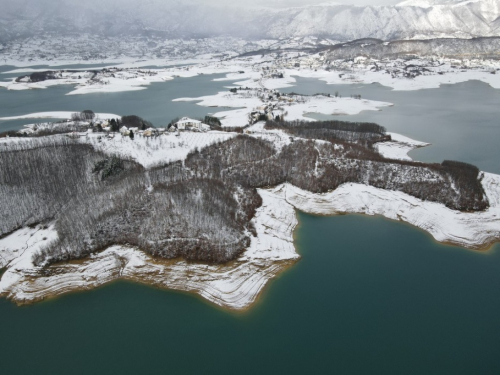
{"type": "Point", "coordinates": [201, 208]}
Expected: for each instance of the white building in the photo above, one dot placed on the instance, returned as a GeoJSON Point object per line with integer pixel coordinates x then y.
{"type": "Point", "coordinates": [124, 131]}
{"type": "Point", "coordinates": [187, 123]}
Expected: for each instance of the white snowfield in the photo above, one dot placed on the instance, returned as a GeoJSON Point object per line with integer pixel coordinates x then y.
{"type": "Point", "coordinates": [471, 230]}
{"type": "Point", "coordinates": [237, 284]}
{"type": "Point", "coordinates": [399, 147]}
{"type": "Point", "coordinates": [125, 78]}
{"type": "Point", "coordinates": [236, 117]}
{"type": "Point", "coordinates": [332, 106]}
{"type": "Point", "coordinates": [153, 151]}
{"type": "Point", "coordinates": [127, 81]}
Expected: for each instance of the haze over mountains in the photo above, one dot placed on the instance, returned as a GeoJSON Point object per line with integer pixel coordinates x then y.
{"type": "Point", "coordinates": [195, 18]}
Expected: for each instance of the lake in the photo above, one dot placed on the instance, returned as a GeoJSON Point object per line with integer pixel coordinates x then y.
{"type": "Point", "coordinates": [461, 121]}
{"type": "Point", "coordinates": [369, 296]}
{"type": "Point", "coordinates": [153, 104]}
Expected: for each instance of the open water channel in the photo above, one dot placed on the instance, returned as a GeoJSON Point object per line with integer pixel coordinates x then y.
{"type": "Point", "coordinates": [369, 296]}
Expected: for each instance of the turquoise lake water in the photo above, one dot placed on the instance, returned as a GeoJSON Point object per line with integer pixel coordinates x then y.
{"type": "Point", "coordinates": [369, 296]}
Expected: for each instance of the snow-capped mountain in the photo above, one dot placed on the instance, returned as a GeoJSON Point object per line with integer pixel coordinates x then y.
{"type": "Point", "coordinates": [409, 19]}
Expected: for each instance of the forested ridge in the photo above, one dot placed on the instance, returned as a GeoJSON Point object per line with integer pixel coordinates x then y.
{"type": "Point", "coordinates": [202, 208]}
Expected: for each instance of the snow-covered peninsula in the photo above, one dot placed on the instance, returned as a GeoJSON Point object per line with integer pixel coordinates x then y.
{"type": "Point", "coordinates": [237, 284]}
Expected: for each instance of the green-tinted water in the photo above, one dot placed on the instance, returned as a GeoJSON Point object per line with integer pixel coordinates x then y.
{"type": "Point", "coordinates": [370, 296]}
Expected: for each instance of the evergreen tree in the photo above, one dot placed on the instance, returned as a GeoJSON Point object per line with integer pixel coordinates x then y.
{"type": "Point", "coordinates": [115, 125]}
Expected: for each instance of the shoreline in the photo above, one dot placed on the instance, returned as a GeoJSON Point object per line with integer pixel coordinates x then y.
{"type": "Point", "coordinates": [487, 249]}
{"type": "Point", "coordinates": [238, 293]}
{"type": "Point", "coordinates": [247, 72]}
{"type": "Point", "coordinates": [236, 285]}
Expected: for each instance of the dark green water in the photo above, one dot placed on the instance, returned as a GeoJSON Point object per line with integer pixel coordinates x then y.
{"type": "Point", "coordinates": [370, 296]}
{"type": "Point", "coordinates": [462, 121]}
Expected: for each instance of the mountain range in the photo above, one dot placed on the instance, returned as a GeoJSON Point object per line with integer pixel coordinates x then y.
{"type": "Point", "coordinates": [412, 19]}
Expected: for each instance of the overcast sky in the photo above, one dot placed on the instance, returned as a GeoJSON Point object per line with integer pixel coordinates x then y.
{"type": "Point", "coordinates": [294, 3]}
{"type": "Point", "coordinates": [234, 3]}
{"type": "Point", "coordinates": [291, 3]}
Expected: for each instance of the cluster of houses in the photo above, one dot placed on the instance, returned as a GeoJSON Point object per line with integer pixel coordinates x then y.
{"type": "Point", "coordinates": [273, 106]}
{"type": "Point", "coordinates": [268, 111]}
{"type": "Point", "coordinates": [184, 124]}
{"type": "Point", "coordinates": [268, 72]}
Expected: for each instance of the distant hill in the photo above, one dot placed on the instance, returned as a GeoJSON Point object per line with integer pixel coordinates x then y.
{"type": "Point", "coordinates": [483, 47]}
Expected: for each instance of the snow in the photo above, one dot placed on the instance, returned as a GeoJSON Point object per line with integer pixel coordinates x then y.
{"type": "Point", "coordinates": [63, 115]}
{"type": "Point", "coordinates": [431, 81]}
{"type": "Point", "coordinates": [237, 117]}
{"type": "Point", "coordinates": [278, 137]}
{"type": "Point", "coordinates": [153, 151]}
{"type": "Point", "coordinates": [16, 251]}
{"type": "Point", "coordinates": [476, 230]}
{"type": "Point", "coordinates": [234, 285]}
{"type": "Point", "coordinates": [296, 110]}
{"type": "Point", "coordinates": [331, 106]}
{"type": "Point", "coordinates": [437, 76]}
{"type": "Point", "coordinates": [399, 147]}
{"type": "Point", "coordinates": [290, 24]}
{"type": "Point", "coordinates": [237, 284]}
{"type": "Point", "coordinates": [249, 72]}
{"type": "Point", "coordinates": [130, 80]}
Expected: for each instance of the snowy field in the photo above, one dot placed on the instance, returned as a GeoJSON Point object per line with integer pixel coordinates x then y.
{"type": "Point", "coordinates": [154, 151]}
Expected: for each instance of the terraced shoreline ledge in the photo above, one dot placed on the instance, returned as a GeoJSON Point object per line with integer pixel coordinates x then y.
{"type": "Point", "coordinates": [234, 285]}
